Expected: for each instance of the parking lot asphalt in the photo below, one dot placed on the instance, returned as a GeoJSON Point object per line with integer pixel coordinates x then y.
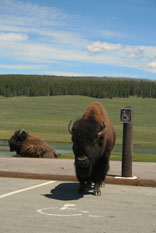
{"type": "Point", "coordinates": [32, 205]}
{"type": "Point", "coordinates": [144, 174]}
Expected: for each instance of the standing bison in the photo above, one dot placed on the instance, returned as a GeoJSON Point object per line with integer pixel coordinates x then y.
{"type": "Point", "coordinates": [93, 138]}
{"type": "Point", "coordinates": [30, 146]}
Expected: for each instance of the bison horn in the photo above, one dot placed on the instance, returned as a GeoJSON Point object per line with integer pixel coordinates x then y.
{"type": "Point", "coordinates": [21, 131]}
{"type": "Point", "coordinates": [69, 127]}
{"type": "Point", "coordinates": [103, 130]}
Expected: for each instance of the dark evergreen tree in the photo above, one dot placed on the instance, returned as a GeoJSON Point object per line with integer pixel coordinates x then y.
{"type": "Point", "coordinates": [35, 85]}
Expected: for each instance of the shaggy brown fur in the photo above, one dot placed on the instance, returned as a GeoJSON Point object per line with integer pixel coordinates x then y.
{"type": "Point", "coordinates": [93, 138]}
{"type": "Point", "coordinates": [30, 146]}
{"type": "Point", "coordinates": [97, 112]}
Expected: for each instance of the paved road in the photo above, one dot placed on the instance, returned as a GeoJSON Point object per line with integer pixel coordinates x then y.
{"type": "Point", "coordinates": [48, 206]}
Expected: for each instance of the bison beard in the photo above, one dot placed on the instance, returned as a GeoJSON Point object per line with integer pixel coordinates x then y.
{"type": "Point", "coordinates": [93, 138]}
{"type": "Point", "coordinates": [30, 146]}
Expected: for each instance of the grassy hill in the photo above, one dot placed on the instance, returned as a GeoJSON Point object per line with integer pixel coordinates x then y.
{"type": "Point", "coordinates": [48, 118]}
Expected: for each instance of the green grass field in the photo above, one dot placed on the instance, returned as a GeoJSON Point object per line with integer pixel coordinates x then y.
{"type": "Point", "coordinates": [48, 118]}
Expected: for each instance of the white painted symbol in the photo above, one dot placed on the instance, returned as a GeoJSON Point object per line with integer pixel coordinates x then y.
{"type": "Point", "coordinates": [47, 211]}
{"type": "Point", "coordinates": [68, 210]}
{"type": "Point", "coordinates": [66, 207]}
{"type": "Point", "coordinates": [125, 117]}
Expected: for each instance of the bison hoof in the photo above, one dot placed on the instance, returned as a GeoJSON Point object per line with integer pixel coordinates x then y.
{"type": "Point", "coordinates": [97, 190]}
{"type": "Point", "coordinates": [97, 193]}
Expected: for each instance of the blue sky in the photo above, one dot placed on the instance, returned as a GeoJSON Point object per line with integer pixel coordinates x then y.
{"type": "Point", "coordinates": [85, 37]}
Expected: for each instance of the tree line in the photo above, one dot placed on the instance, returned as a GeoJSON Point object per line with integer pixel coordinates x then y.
{"type": "Point", "coordinates": [37, 85]}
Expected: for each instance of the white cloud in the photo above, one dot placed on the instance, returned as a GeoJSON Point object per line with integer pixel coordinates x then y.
{"type": "Point", "coordinates": [39, 34]}
{"type": "Point", "coordinates": [151, 67]}
{"type": "Point", "coordinates": [12, 37]}
{"type": "Point", "coordinates": [152, 64]}
{"type": "Point", "coordinates": [19, 67]}
{"type": "Point", "coordinates": [40, 52]}
{"type": "Point", "coordinates": [39, 24]}
{"type": "Point", "coordinates": [124, 55]}
{"type": "Point", "coordinates": [19, 13]}
{"type": "Point", "coordinates": [135, 52]}
{"type": "Point", "coordinates": [101, 46]}
{"type": "Point", "coordinates": [110, 33]}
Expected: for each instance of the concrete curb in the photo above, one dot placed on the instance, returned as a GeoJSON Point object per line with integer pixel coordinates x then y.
{"type": "Point", "coordinates": [134, 182]}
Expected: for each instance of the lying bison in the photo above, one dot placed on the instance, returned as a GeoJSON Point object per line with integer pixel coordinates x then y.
{"type": "Point", "coordinates": [93, 138]}
{"type": "Point", "coordinates": [30, 146]}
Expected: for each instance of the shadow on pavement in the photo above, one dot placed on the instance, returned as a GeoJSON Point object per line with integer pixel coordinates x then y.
{"type": "Point", "coordinates": [65, 192]}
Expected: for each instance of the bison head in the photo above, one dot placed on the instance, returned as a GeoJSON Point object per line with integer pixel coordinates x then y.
{"type": "Point", "coordinates": [88, 144]}
{"type": "Point", "coordinates": [16, 140]}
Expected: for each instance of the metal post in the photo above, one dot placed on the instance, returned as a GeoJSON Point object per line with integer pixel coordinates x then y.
{"type": "Point", "coordinates": [126, 116]}
{"type": "Point", "coordinates": [127, 150]}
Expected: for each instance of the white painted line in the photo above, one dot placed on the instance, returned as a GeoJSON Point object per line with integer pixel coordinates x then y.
{"type": "Point", "coordinates": [23, 190]}
{"type": "Point", "coordinates": [94, 216]}
{"type": "Point", "coordinates": [85, 212]}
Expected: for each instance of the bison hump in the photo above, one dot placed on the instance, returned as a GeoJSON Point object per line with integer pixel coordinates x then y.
{"type": "Point", "coordinates": [97, 112]}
